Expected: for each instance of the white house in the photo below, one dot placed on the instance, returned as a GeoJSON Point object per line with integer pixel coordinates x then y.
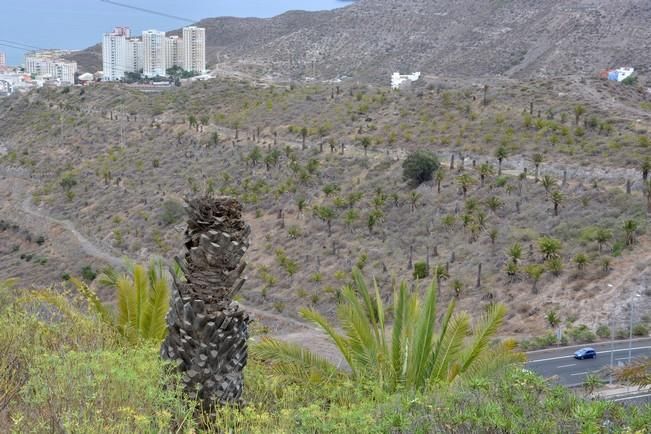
{"type": "Point", "coordinates": [620, 74]}
{"type": "Point", "coordinates": [397, 80]}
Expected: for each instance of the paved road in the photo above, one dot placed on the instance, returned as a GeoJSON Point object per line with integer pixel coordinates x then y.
{"type": "Point", "coordinates": [561, 363]}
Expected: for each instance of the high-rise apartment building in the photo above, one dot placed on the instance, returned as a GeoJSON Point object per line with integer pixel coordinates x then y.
{"type": "Point", "coordinates": [194, 49]}
{"type": "Point", "coordinates": [173, 52]}
{"type": "Point", "coordinates": [114, 54]}
{"type": "Point", "coordinates": [3, 59]}
{"type": "Point", "coordinates": [135, 55]}
{"type": "Point", "coordinates": [154, 53]}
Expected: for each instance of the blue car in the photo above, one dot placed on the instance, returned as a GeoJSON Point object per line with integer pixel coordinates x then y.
{"type": "Point", "coordinates": [585, 353]}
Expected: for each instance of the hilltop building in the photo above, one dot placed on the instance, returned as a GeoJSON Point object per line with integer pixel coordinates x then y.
{"type": "Point", "coordinates": [114, 54]}
{"type": "Point", "coordinates": [173, 52]}
{"type": "Point", "coordinates": [135, 55]}
{"type": "Point", "coordinates": [50, 65]}
{"type": "Point", "coordinates": [194, 49]}
{"type": "Point", "coordinates": [154, 53]}
{"type": "Point", "coordinates": [620, 74]}
{"type": "Point", "coordinates": [3, 59]}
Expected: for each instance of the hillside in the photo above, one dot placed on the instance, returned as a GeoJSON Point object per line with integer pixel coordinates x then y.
{"type": "Point", "coordinates": [372, 38]}
{"type": "Point", "coordinates": [128, 158]}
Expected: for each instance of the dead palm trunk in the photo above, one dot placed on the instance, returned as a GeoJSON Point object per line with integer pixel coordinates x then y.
{"type": "Point", "coordinates": [208, 331]}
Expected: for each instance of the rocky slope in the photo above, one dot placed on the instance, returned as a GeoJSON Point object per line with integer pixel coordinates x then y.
{"type": "Point", "coordinates": [371, 38]}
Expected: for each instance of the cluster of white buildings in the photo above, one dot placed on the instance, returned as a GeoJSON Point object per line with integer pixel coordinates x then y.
{"type": "Point", "coordinates": [153, 53]}
{"type": "Point", "coordinates": [51, 66]}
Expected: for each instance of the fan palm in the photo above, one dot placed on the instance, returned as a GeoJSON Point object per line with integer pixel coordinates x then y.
{"type": "Point", "coordinates": [414, 354]}
{"type": "Point", "coordinates": [143, 298]}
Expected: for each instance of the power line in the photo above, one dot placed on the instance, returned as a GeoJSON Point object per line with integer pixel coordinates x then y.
{"type": "Point", "coordinates": [149, 11]}
{"type": "Point", "coordinates": [20, 43]}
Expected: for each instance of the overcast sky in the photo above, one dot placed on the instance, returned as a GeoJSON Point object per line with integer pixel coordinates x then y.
{"type": "Point", "coordinates": [76, 24]}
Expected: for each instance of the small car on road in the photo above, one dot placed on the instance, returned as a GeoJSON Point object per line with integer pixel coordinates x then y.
{"type": "Point", "coordinates": [585, 353]}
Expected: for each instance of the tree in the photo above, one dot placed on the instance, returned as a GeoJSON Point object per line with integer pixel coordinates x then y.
{"type": "Point", "coordinates": [537, 160]}
{"type": "Point", "coordinates": [208, 332]}
{"type": "Point", "coordinates": [591, 383]}
{"type": "Point", "coordinates": [602, 236]}
{"type": "Point", "coordinates": [630, 228]}
{"type": "Point", "coordinates": [413, 354]}
{"type": "Point", "coordinates": [304, 132]}
{"type": "Point", "coordinates": [553, 319]}
{"type": "Point", "coordinates": [581, 260]}
{"type": "Point", "coordinates": [549, 247]}
{"type": "Point", "coordinates": [501, 153]}
{"type": "Point", "coordinates": [646, 167]}
{"type": "Point", "coordinates": [485, 170]}
{"type": "Point", "coordinates": [548, 183]}
{"type": "Point", "coordinates": [350, 217]}
{"type": "Point", "coordinates": [440, 273]}
{"type": "Point", "coordinates": [414, 197]}
{"type": "Point", "coordinates": [330, 189]}
{"type": "Point", "coordinates": [67, 181]}
{"type": "Point", "coordinates": [374, 218]}
{"type": "Point", "coordinates": [419, 166]}
{"type": "Point", "coordinates": [515, 252]}
{"type": "Point", "coordinates": [557, 199]}
{"type": "Point", "coordinates": [457, 286]}
{"type": "Point", "coordinates": [534, 271]}
{"type": "Point", "coordinates": [637, 373]}
{"type": "Point", "coordinates": [192, 121]}
{"type": "Point", "coordinates": [579, 111]}
{"type": "Point", "coordinates": [326, 214]}
{"type": "Point", "coordinates": [214, 138]}
{"type": "Point", "coordinates": [439, 175]}
{"type": "Point", "coordinates": [494, 203]}
{"type": "Point", "coordinates": [255, 156]}
{"type": "Point", "coordinates": [143, 297]}
{"type": "Point", "coordinates": [647, 191]}
{"type": "Point", "coordinates": [465, 181]}
{"type": "Point", "coordinates": [366, 143]}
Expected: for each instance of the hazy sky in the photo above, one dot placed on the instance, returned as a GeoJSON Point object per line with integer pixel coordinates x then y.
{"type": "Point", "coordinates": [76, 24]}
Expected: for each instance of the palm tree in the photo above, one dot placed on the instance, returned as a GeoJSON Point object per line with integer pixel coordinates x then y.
{"type": "Point", "coordinates": [549, 247]}
{"type": "Point", "coordinates": [301, 203]}
{"type": "Point", "coordinates": [557, 199]}
{"type": "Point", "coordinates": [413, 354]}
{"type": "Point", "coordinates": [457, 286]}
{"type": "Point", "coordinates": [304, 132]}
{"type": "Point", "coordinates": [439, 175]}
{"type": "Point", "coordinates": [465, 181]}
{"type": "Point", "coordinates": [374, 217]}
{"type": "Point", "coordinates": [365, 142]}
{"type": "Point", "coordinates": [208, 331]}
{"type": "Point", "coordinates": [581, 260]}
{"type": "Point", "coordinates": [552, 319]}
{"type": "Point", "coordinates": [537, 160]}
{"type": "Point", "coordinates": [548, 183]}
{"type": "Point", "coordinates": [414, 197]}
{"type": "Point", "coordinates": [515, 252]}
{"type": "Point", "coordinates": [485, 169]}
{"type": "Point", "coordinates": [143, 297]}
{"type": "Point", "coordinates": [501, 153]}
{"type": "Point", "coordinates": [326, 214]}
{"type": "Point", "coordinates": [630, 228]}
{"type": "Point", "coordinates": [440, 273]}
{"type": "Point", "coordinates": [591, 383]}
{"type": "Point", "coordinates": [646, 167]}
{"type": "Point", "coordinates": [192, 121]}
{"type": "Point", "coordinates": [534, 271]}
{"type": "Point", "coordinates": [579, 111]}
{"type": "Point", "coordinates": [350, 217]}
{"type": "Point", "coordinates": [602, 236]}
{"type": "Point", "coordinates": [494, 203]}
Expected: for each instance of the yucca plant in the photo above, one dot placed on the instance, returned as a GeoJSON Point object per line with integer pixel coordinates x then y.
{"type": "Point", "coordinates": [415, 353]}
{"type": "Point", "coordinates": [143, 299]}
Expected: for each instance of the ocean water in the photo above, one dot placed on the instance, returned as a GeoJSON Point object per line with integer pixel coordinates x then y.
{"type": "Point", "coordinates": [77, 24]}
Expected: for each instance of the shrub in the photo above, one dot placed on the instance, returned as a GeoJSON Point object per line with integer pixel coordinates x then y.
{"type": "Point", "coordinates": [603, 331]}
{"type": "Point", "coordinates": [420, 270]}
{"type": "Point", "coordinates": [88, 274]}
{"type": "Point", "coordinates": [420, 166]}
{"type": "Point", "coordinates": [582, 334]}
{"type": "Point", "coordinates": [173, 211]}
{"type": "Point", "coordinates": [640, 330]}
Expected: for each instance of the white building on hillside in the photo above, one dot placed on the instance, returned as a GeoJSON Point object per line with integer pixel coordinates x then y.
{"type": "Point", "coordinates": [50, 65]}
{"type": "Point", "coordinates": [620, 74]}
{"type": "Point", "coordinates": [3, 59]}
{"type": "Point", "coordinates": [173, 52]}
{"type": "Point", "coordinates": [135, 55]}
{"type": "Point", "coordinates": [397, 80]}
{"type": "Point", "coordinates": [194, 49]}
{"type": "Point", "coordinates": [154, 53]}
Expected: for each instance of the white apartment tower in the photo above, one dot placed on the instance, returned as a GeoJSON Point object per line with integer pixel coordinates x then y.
{"type": "Point", "coordinates": [114, 54]}
{"type": "Point", "coordinates": [154, 53]}
{"type": "Point", "coordinates": [49, 64]}
{"type": "Point", "coordinates": [194, 49]}
{"type": "Point", "coordinates": [173, 52]}
{"type": "Point", "coordinates": [135, 55]}
{"type": "Point", "coordinates": [3, 59]}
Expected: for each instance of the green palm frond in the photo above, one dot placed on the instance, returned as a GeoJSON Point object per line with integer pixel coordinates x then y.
{"type": "Point", "coordinates": [154, 326]}
{"type": "Point", "coordinates": [422, 342]}
{"type": "Point", "coordinates": [483, 331]}
{"type": "Point", "coordinates": [339, 340]}
{"type": "Point", "coordinates": [294, 361]}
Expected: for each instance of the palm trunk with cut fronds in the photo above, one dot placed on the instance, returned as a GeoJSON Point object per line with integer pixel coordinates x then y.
{"type": "Point", "coordinates": [208, 331]}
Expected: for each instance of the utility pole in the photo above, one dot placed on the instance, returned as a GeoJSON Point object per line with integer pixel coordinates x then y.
{"type": "Point", "coordinates": [61, 119]}
{"type": "Point", "coordinates": [122, 116]}
{"type": "Point", "coordinates": [630, 330]}
{"type": "Point", "coordinates": [612, 347]}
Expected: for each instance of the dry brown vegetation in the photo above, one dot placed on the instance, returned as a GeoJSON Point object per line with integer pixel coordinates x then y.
{"type": "Point", "coordinates": [127, 159]}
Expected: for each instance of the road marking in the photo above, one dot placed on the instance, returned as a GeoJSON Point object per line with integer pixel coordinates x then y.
{"type": "Point", "coordinates": [566, 366]}
{"type": "Point", "coordinates": [579, 373]}
{"type": "Point", "coordinates": [632, 397]}
{"type": "Point", "coordinates": [572, 355]}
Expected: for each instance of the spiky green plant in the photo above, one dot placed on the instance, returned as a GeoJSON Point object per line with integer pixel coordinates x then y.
{"type": "Point", "coordinates": [415, 353]}
{"type": "Point", "coordinates": [143, 297]}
